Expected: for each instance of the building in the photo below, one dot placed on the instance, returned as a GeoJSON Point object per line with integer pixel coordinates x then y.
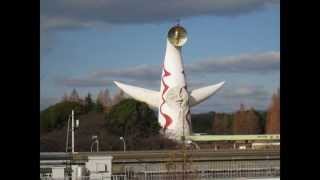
{"type": "Point", "coordinates": [75, 166]}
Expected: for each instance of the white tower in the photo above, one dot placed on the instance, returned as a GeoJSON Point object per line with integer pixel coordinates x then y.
{"type": "Point", "coordinates": [173, 100]}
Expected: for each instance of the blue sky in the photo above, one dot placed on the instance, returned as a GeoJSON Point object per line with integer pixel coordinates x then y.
{"type": "Point", "coordinates": [92, 44]}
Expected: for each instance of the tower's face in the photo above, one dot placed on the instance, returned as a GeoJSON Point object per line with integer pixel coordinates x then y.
{"type": "Point", "coordinates": [177, 36]}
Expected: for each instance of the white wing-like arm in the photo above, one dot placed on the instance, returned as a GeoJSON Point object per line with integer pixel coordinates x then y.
{"type": "Point", "coordinates": [152, 98]}
{"type": "Point", "coordinates": [198, 95]}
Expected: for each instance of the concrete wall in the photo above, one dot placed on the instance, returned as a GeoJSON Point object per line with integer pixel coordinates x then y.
{"type": "Point", "coordinates": [99, 166]}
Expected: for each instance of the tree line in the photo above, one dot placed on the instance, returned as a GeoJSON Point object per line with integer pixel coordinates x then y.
{"type": "Point", "coordinates": [243, 121]}
{"type": "Point", "coordinates": [56, 115]}
{"type": "Point", "coordinates": [110, 117]}
{"type": "Point", "coordinates": [131, 119]}
{"type": "Point", "coordinates": [102, 103]}
{"type": "Point", "coordinates": [113, 116]}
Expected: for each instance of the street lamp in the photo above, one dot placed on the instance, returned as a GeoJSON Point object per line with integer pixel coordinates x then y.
{"type": "Point", "coordinates": [193, 143]}
{"type": "Point", "coordinates": [124, 143]}
{"type": "Point", "coordinates": [95, 140]}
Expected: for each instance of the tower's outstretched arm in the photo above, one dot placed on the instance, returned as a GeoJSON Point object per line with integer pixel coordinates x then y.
{"type": "Point", "coordinates": [199, 95]}
{"type": "Point", "coordinates": [152, 98]}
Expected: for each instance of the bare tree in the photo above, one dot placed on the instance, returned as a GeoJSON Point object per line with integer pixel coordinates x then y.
{"type": "Point", "coordinates": [107, 99]}
{"type": "Point", "coordinates": [246, 122]}
{"type": "Point", "coordinates": [273, 116]}
{"type": "Point", "coordinates": [239, 119]}
{"type": "Point", "coordinates": [104, 99]}
{"type": "Point", "coordinates": [74, 96]}
{"type": "Point", "coordinates": [65, 97]}
{"type": "Point", "coordinates": [118, 97]}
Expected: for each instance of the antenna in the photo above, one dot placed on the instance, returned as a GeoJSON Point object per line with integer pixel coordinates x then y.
{"type": "Point", "coordinates": [178, 22]}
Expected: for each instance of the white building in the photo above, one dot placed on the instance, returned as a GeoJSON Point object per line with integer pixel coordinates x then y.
{"type": "Point", "coordinates": [75, 166]}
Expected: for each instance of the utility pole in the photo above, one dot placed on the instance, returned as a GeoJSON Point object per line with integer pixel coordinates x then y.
{"type": "Point", "coordinates": [73, 128]}
{"type": "Point", "coordinates": [67, 141]}
{"type": "Point", "coordinates": [72, 133]}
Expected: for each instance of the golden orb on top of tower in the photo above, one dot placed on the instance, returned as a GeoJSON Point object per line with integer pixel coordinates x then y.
{"type": "Point", "coordinates": [177, 36]}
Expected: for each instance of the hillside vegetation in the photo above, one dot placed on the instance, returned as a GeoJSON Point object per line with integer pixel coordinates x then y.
{"type": "Point", "coordinates": [109, 118]}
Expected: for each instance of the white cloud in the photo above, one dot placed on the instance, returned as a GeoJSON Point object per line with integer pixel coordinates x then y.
{"type": "Point", "coordinates": [74, 82]}
{"type": "Point", "coordinates": [141, 72]}
{"type": "Point", "coordinates": [73, 14]}
{"type": "Point", "coordinates": [257, 62]}
{"type": "Point", "coordinates": [244, 63]}
{"type": "Point", "coordinates": [229, 98]}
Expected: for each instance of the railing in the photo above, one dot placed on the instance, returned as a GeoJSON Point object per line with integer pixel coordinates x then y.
{"type": "Point", "coordinates": [207, 174]}
{"type": "Point", "coordinates": [112, 177]}
{"type": "Point", "coordinates": [193, 170]}
{"type": "Point", "coordinates": [187, 175]}
{"type": "Point", "coordinates": [212, 170]}
{"type": "Point", "coordinates": [202, 166]}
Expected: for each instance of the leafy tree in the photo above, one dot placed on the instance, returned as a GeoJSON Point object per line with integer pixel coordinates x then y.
{"type": "Point", "coordinates": [133, 120]}
{"type": "Point", "coordinates": [201, 123]}
{"type": "Point", "coordinates": [263, 119]}
{"type": "Point", "coordinates": [89, 104]}
{"type": "Point", "coordinates": [222, 123]}
{"type": "Point", "coordinates": [99, 107]}
{"type": "Point", "coordinates": [93, 123]}
{"type": "Point", "coordinates": [56, 116]}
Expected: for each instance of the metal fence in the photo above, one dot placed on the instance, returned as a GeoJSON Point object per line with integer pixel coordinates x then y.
{"type": "Point", "coordinates": [112, 177]}
{"type": "Point", "coordinates": [201, 166]}
{"type": "Point", "coordinates": [200, 171]}
{"type": "Point", "coordinates": [193, 171]}
{"type": "Point", "coordinates": [187, 175]}
{"type": "Point", "coordinates": [206, 175]}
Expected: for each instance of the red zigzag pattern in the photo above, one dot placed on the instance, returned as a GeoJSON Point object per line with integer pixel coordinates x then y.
{"type": "Point", "coordinates": [166, 87]}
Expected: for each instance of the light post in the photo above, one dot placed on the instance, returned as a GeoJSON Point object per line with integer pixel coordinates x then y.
{"type": "Point", "coordinates": [194, 144]}
{"type": "Point", "coordinates": [95, 140]}
{"type": "Point", "coordinates": [124, 143]}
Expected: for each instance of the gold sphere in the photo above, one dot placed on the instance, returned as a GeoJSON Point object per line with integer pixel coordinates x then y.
{"type": "Point", "coordinates": [177, 36]}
